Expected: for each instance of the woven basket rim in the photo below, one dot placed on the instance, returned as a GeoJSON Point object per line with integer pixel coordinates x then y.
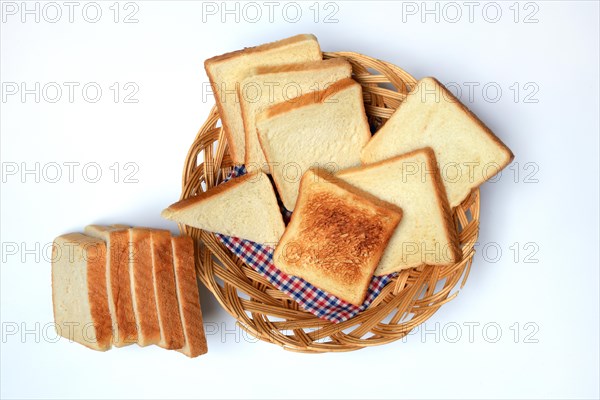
{"type": "Point", "coordinates": [268, 314]}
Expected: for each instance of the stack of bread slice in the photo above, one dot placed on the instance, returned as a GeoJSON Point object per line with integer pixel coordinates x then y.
{"type": "Point", "coordinates": [116, 285]}
{"type": "Point", "coordinates": [362, 205]}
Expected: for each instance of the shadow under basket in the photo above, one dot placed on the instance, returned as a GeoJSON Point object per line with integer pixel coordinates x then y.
{"type": "Point", "coordinates": [266, 313]}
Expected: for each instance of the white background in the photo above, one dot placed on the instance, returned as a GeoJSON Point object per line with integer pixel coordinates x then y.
{"type": "Point", "coordinates": [552, 124]}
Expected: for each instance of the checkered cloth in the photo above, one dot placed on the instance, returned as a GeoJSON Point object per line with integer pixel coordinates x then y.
{"type": "Point", "coordinates": [311, 298]}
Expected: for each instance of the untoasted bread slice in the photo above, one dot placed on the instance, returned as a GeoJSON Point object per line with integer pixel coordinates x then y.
{"type": "Point", "coordinates": [188, 298]}
{"type": "Point", "coordinates": [467, 152]}
{"type": "Point", "coordinates": [167, 306]}
{"type": "Point", "coordinates": [79, 296]}
{"type": "Point", "coordinates": [142, 286]}
{"type": "Point", "coordinates": [336, 236]}
{"type": "Point", "coordinates": [325, 129]}
{"type": "Point", "coordinates": [118, 281]}
{"type": "Point", "coordinates": [226, 71]}
{"type": "Point", "coordinates": [426, 234]}
{"type": "Point", "coordinates": [267, 86]}
{"type": "Point", "coordinates": [244, 207]}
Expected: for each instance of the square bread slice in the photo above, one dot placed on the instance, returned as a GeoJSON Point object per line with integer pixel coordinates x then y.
{"type": "Point", "coordinates": [118, 281]}
{"type": "Point", "coordinates": [167, 305]}
{"type": "Point", "coordinates": [267, 86]}
{"type": "Point", "coordinates": [467, 152]}
{"type": "Point", "coordinates": [336, 236]}
{"type": "Point", "coordinates": [188, 296]}
{"type": "Point", "coordinates": [142, 286]}
{"type": "Point", "coordinates": [245, 207]}
{"type": "Point", "coordinates": [79, 296]}
{"type": "Point", "coordinates": [426, 234]}
{"type": "Point", "coordinates": [325, 129]}
{"type": "Point", "coordinates": [226, 71]}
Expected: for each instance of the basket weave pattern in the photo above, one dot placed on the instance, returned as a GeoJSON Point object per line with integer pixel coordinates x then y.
{"type": "Point", "coordinates": [270, 315]}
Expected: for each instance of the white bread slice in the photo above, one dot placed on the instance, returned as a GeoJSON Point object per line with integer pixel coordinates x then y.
{"type": "Point", "coordinates": [267, 86]}
{"type": "Point", "coordinates": [244, 207]}
{"type": "Point", "coordinates": [325, 129]}
{"type": "Point", "coordinates": [467, 152]}
{"type": "Point", "coordinates": [426, 234]}
{"type": "Point", "coordinates": [142, 286]}
{"type": "Point", "coordinates": [79, 295]}
{"type": "Point", "coordinates": [167, 306]}
{"type": "Point", "coordinates": [226, 71]}
{"type": "Point", "coordinates": [118, 281]}
{"type": "Point", "coordinates": [188, 297]}
{"type": "Point", "coordinates": [336, 236]}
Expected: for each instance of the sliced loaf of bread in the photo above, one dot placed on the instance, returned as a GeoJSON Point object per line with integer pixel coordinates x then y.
{"type": "Point", "coordinates": [325, 129]}
{"type": "Point", "coordinates": [79, 294]}
{"type": "Point", "coordinates": [467, 152]}
{"type": "Point", "coordinates": [118, 281]}
{"type": "Point", "coordinates": [188, 297]}
{"type": "Point", "coordinates": [226, 71]}
{"type": "Point", "coordinates": [267, 86]}
{"type": "Point", "coordinates": [336, 236]}
{"type": "Point", "coordinates": [244, 207]}
{"type": "Point", "coordinates": [426, 234]}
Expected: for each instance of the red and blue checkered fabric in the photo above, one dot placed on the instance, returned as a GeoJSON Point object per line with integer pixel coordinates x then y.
{"type": "Point", "coordinates": [311, 298]}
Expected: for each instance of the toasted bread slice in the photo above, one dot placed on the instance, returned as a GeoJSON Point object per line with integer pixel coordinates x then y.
{"type": "Point", "coordinates": [336, 236]}
{"type": "Point", "coordinates": [79, 296]}
{"type": "Point", "coordinates": [167, 306]}
{"type": "Point", "coordinates": [467, 152]}
{"type": "Point", "coordinates": [426, 234]}
{"type": "Point", "coordinates": [244, 207]}
{"type": "Point", "coordinates": [188, 297]}
{"type": "Point", "coordinates": [118, 281]}
{"type": "Point", "coordinates": [325, 129]}
{"type": "Point", "coordinates": [142, 286]}
{"type": "Point", "coordinates": [226, 71]}
{"type": "Point", "coordinates": [267, 86]}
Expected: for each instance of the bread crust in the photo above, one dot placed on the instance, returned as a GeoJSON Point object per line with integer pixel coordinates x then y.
{"type": "Point", "coordinates": [98, 296]}
{"type": "Point", "coordinates": [307, 99]}
{"type": "Point", "coordinates": [187, 294]}
{"type": "Point", "coordinates": [237, 53]}
{"type": "Point", "coordinates": [142, 287]}
{"type": "Point", "coordinates": [121, 288]}
{"type": "Point", "coordinates": [165, 291]}
{"type": "Point", "coordinates": [357, 241]}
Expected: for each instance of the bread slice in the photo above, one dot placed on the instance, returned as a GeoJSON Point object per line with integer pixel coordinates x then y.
{"type": "Point", "coordinates": [467, 152]}
{"type": "Point", "coordinates": [226, 71]}
{"type": "Point", "coordinates": [267, 86]}
{"type": "Point", "coordinates": [188, 297]}
{"type": "Point", "coordinates": [118, 281]}
{"type": "Point", "coordinates": [336, 236]}
{"type": "Point", "coordinates": [426, 234]}
{"type": "Point", "coordinates": [325, 129]}
{"type": "Point", "coordinates": [244, 207]}
{"type": "Point", "coordinates": [167, 306]}
{"type": "Point", "coordinates": [79, 295]}
{"type": "Point", "coordinates": [142, 286]}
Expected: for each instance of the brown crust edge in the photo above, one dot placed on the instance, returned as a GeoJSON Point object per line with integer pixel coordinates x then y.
{"type": "Point", "coordinates": [307, 99]}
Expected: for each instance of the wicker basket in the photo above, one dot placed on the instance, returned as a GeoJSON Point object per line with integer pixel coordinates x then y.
{"type": "Point", "coordinates": [270, 315]}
